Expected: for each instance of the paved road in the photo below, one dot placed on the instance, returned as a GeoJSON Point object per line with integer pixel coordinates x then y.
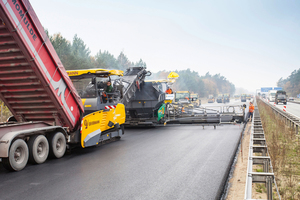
{"type": "Point", "coordinates": [179, 162]}
{"type": "Point", "coordinates": [292, 108]}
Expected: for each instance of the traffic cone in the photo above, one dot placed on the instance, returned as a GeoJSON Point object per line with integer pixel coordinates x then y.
{"type": "Point", "coordinates": [274, 104]}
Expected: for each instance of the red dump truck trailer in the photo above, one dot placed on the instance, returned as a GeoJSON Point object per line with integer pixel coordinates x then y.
{"type": "Point", "coordinates": [34, 83]}
{"type": "Point", "coordinates": [47, 111]}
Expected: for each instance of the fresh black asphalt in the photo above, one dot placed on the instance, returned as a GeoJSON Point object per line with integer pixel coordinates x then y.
{"type": "Point", "coordinates": [173, 162]}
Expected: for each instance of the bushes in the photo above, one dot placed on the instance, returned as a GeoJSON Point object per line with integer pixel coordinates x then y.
{"type": "Point", "coordinates": [4, 112]}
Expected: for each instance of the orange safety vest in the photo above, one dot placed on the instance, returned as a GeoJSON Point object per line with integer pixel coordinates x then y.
{"type": "Point", "coordinates": [251, 108]}
{"type": "Point", "coordinates": [169, 91]}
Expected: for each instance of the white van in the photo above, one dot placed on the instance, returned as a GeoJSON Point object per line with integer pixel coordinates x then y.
{"type": "Point", "coordinates": [271, 95]}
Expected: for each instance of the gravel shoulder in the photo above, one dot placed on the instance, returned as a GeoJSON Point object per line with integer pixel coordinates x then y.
{"type": "Point", "coordinates": [238, 181]}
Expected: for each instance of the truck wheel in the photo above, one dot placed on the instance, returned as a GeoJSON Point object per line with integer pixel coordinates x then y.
{"type": "Point", "coordinates": [17, 157]}
{"type": "Point", "coordinates": [57, 143]}
{"type": "Point", "coordinates": [38, 149]}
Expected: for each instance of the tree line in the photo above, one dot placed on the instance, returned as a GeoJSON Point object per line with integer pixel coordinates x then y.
{"type": "Point", "coordinates": [203, 85]}
{"type": "Point", "coordinates": [291, 84]}
{"type": "Point", "coordinates": [76, 55]}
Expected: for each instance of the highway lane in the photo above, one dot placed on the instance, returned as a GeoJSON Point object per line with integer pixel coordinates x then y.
{"type": "Point", "coordinates": [292, 108]}
{"type": "Point", "coordinates": [174, 162]}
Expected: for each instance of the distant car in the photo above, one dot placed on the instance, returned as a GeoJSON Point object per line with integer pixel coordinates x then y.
{"type": "Point", "coordinates": [291, 99]}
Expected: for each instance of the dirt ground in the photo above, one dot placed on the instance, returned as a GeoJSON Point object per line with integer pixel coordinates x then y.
{"type": "Point", "coordinates": [238, 180]}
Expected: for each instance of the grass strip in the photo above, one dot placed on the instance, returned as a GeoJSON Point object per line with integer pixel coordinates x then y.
{"type": "Point", "coordinates": [284, 149]}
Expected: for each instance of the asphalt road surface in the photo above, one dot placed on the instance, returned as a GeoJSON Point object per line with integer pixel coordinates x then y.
{"type": "Point", "coordinates": [176, 162]}
{"type": "Point", "coordinates": [292, 108]}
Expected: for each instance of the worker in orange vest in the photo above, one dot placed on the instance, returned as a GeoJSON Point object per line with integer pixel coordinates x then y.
{"type": "Point", "coordinates": [169, 91]}
{"type": "Point", "coordinates": [251, 109]}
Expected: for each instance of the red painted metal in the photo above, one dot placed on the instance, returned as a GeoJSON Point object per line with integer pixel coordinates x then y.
{"type": "Point", "coordinates": [33, 82]}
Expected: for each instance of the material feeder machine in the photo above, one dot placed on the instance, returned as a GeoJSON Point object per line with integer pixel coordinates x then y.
{"type": "Point", "coordinates": [149, 105]}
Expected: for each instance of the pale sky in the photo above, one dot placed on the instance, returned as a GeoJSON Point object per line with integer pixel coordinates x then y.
{"type": "Point", "coordinates": [250, 42]}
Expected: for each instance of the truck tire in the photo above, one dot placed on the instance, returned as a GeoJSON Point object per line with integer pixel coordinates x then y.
{"type": "Point", "coordinates": [17, 157]}
{"type": "Point", "coordinates": [57, 144]}
{"type": "Point", "coordinates": [38, 149]}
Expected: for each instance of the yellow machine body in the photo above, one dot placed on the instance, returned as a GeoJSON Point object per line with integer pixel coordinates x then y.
{"type": "Point", "coordinates": [94, 124]}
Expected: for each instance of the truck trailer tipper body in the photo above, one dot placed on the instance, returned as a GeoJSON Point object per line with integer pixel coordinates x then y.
{"type": "Point", "coordinates": [48, 114]}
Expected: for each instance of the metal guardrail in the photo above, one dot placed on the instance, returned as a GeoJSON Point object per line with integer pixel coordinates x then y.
{"type": "Point", "coordinates": [216, 114]}
{"type": "Point", "coordinates": [290, 119]}
{"type": "Point", "coordinates": [258, 145]}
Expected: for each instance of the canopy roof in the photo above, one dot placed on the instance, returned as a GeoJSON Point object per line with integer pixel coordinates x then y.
{"type": "Point", "coordinates": [94, 72]}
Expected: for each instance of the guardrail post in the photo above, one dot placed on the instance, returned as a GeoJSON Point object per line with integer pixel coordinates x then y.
{"type": "Point", "coordinates": [266, 165]}
{"type": "Point", "coordinates": [269, 181]}
{"type": "Point", "coordinates": [285, 119]}
{"type": "Point", "coordinates": [293, 126]}
{"type": "Point", "coordinates": [264, 153]}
